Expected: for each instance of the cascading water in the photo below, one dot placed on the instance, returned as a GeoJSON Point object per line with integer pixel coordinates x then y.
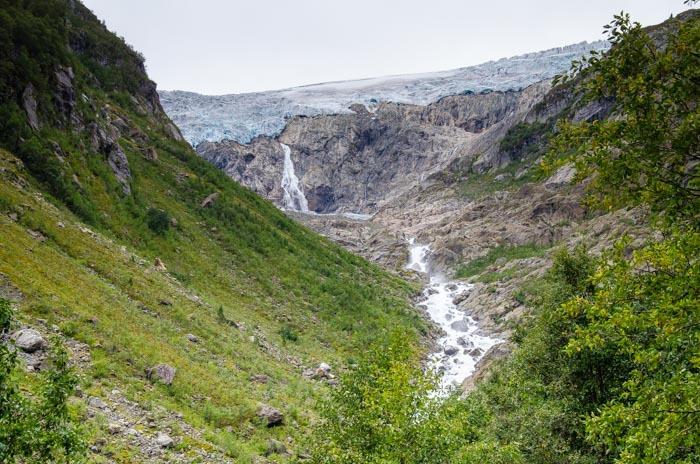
{"type": "Point", "coordinates": [461, 346]}
{"type": "Point", "coordinates": [294, 198]}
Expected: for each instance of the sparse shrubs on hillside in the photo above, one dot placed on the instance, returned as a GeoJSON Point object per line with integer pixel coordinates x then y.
{"type": "Point", "coordinates": [524, 139]}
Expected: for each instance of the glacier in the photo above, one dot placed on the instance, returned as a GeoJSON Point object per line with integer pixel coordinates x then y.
{"type": "Point", "coordinates": [242, 117]}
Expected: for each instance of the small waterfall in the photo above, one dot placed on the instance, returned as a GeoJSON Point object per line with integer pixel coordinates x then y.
{"type": "Point", "coordinates": [294, 198]}
{"type": "Point", "coordinates": [461, 346]}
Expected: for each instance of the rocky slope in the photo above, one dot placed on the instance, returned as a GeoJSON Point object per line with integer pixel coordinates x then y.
{"type": "Point", "coordinates": [360, 161]}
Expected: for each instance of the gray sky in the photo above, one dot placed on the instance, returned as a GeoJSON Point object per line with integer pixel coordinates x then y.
{"type": "Point", "coordinates": [218, 46]}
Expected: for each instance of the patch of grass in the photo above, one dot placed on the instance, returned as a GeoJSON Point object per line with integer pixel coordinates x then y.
{"type": "Point", "coordinates": [505, 252]}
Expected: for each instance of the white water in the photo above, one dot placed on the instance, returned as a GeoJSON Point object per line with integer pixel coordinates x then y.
{"type": "Point", "coordinates": [294, 198]}
{"type": "Point", "coordinates": [461, 346]}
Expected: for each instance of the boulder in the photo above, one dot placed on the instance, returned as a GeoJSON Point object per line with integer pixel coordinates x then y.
{"type": "Point", "coordinates": [209, 200]}
{"type": "Point", "coordinates": [451, 350]}
{"type": "Point", "coordinates": [163, 373]}
{"type": "Point", "coordinates": [163, 440]}
{"type": "Point", "coordinates": [28, 340]}
{"type": "Point", "coordinates": [271, 416]}
{"type": "Point", "coordinates": [159, 264]}
{"type": "Point", "coordinates": [275, 447]}
{"type": "Point", "coordinates": [461, 325]}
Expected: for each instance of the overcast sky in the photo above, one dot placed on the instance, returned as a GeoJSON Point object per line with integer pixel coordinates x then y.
{"type": "Point", "coordinates": [220, 46]}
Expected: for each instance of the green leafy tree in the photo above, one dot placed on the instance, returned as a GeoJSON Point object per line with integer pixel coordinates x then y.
{"type": "Point", "coordinates": [386, 411]}
{"type": "Point", "coordinates": [37, 427]}
{"type": "Point", "coordinates": [647, 152]}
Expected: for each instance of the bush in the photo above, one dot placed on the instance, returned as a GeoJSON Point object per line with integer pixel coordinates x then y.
{"type": "Point", "coordinates": [37, 426]}
{"type": "Point", "coordinates": [288, 334]}
{"type": "Point", "coordinates": [158, 221]}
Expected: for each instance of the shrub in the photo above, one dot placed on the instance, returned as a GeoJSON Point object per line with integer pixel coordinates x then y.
{"type": "Point", "coordinates": [158, 221]}
{"type": "Point", "coordinates": [37, 426]}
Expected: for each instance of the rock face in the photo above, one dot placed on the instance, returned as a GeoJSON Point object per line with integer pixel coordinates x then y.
{"type": "Point", "coordinates": [357, 162]}
{"type": "Point", "coordinates": [65, 93]}
{"type": "Point", "coordinates": [28, 340]}
{"type": "Point", "coordinates": [29, 105]}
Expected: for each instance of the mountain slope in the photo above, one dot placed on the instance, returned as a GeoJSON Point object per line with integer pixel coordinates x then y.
{"type": "Point", "coordinates": [118, 238]}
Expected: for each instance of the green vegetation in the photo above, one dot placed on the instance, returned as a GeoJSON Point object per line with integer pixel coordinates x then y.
{"type": "Point", "coordinates": [502, 252]}
{"type": "Point", "coordinates": [607, 368]}
{"type": "Point", "coordinates": [158, 221]}
{"type": "Point", "coordinates": [240, 276]}
{"type": "Point", "coordinates": [525, 139]}
{"type": "Point", "coordinates": [36, 425]}
{"type": "Point", "coordinates": [383, 412]}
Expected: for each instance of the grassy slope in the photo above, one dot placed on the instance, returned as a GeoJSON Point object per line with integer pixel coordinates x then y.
{"type": "Point", "coordinates": [268, 273]}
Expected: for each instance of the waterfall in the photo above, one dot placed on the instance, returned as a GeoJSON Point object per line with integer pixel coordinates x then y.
{"type": "Point", "coordinates": [294, 198]}
{"type": "Point", "coordinates": [461, 345]}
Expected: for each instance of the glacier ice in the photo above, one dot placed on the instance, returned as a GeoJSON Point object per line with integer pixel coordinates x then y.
{"type": "Point", "coordinates": [242, 117]}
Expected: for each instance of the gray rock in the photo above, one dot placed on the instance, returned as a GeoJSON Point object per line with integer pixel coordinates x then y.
{"type": "Point", "coordinates": [193, 338]}
{"type": "Point", "coordinates": [209, 200]}
{"type": "Point", "coordinates": [271, 416]}
{"type": "Point", "coordinates": [275, 447]}
{"type": "Point", "coordinates": [451, 350]}
{"type": "Point", "coordinates": [64, 95]}
{"type": "Point", "coordinates": [116, 158]}
{"type": "Point", "coordinates": [28, 340]}
{"type": "Point", "coordinates": [163, 373]}
{"type": "Point", "coordinates": [96, 402]}
{"type": "Point", "coordinates": [163, 440]}
{"type": "Point", "coordinates": [461, 325]}
{"type": "Point", "coordinates": [115, 428]}
{"type": "Point", "coordinates": [29, 106]}
{"type": "Point", "coordinates": [563, 176]}
{"type": "Point", "coordinates": [476, 352]}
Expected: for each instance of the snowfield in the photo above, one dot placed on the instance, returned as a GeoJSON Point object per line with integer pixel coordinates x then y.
{"type": "Point", "coordinates": [242, 117]}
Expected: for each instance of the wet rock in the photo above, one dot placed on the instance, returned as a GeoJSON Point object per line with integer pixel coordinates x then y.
{"type": "Point", "coordinates": [271, 416]}
{"type": "Point", "coordinates": [162, 372]}
{"type": "Point", "coordinates": [28, 340]}
{"type": "Point", "coordinates": [476, 352]}
{"type": "Point", "coordinates": [451, 350]}
{"type": "Point", "coordinates": [460, 298]}
{"type": "Point", "coordinates": [463, 342]}
{"type": "Point", "coordinates": [461, 325]}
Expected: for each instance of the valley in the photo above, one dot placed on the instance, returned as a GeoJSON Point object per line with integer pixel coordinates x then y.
{"type": "Point", "coordinates": [491, 264]}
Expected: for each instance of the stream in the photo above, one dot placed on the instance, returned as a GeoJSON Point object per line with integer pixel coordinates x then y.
{"type": "Point", "coordinates": [461, 345]}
